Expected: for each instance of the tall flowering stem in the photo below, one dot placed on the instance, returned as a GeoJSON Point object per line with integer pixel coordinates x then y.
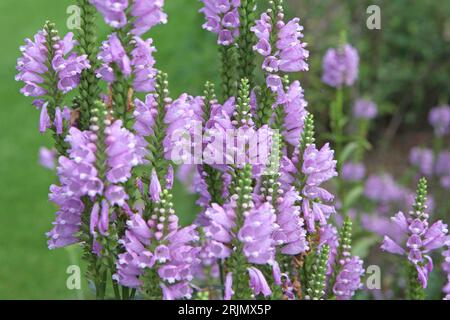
{"type": "Point", "coordinates": [89, 89]}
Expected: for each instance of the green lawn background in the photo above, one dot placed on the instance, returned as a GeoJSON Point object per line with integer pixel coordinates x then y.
{"type": "Point", "coordinates": [28, 270]}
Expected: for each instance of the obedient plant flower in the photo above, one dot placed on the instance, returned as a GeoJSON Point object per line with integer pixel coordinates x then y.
{"type": "Point", "coordinates": [340, 66]}
{"type": "Point", "coordinates": [420, 238]}
{"type": "Point", "coordinates": [443, 168]}
{"type": "Point", "coordinates": [144, 14]}
{"type": "Point", "coordinates": [365, 109]}
{"type": "Point", "coordinates": [318, 166]}
{"type": "Point", "coordinates": [348, 280]}
{"type": "Point", "coordinates": [439, 118]}
{"type": "Point", "coordinates": [140, 65]}
{"type": "Point", "coordinates": [352, 171]}
{"type": "Point", "coordinates": [159, 244]}
{"type": "Point", "coordinates": [222, 18]}
{"type": "Point", "coordinates": [281, 46]}
{"type": "Point", "coordinates": [50, 69]}
{"type": "Point", "coordinates": [423, 159]}
{"type": "Point", "coordinates": [33, 65]}
{"type": "Point", "coordinates": [294, 104]}
{"type": "Point", "coordinates": [99, 161]}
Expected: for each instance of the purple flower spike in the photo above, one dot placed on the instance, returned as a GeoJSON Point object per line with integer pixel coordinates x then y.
{"type": "Point", "coordinates": [222, 18]}
{"type": "Point", "coordinates": [147, 14]}
{"type": "Point", "coordinates": [340, 66]}
{"type": "Point", "coordinates": [113, 52]}
{"type": "Point", "coordinates": [349, 279]}
{"type": "Point", "coordinates": [418, 240]}
{"type": "Point", "coordinates": [256, 234]}
{"type": "Point", "coordinates": [294, 104]}
{"type": "Point", "coordinates": [143, 62]}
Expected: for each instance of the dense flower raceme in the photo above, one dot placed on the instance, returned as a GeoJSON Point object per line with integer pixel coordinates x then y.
{"type": "Point", "coordinates": [348, 281]}
{"type": "Point", "coordinates": [439, 118]}
{"type": "Point", "coordinates": [140, 65]}
{"type": "Point", "coordinates": [318, 166]}
{"type": "Point", "coordinates": [340, 66]}
{"type": "Point", "coordinates": [294, 104]}
{"type": "Point", "coordinates": [286, 53]}
{"type": "Point", "coordinates": [173, 256]}
{"type": "Point", "coordinates": [79, 177]}
{"type": "Point", "coordinates": [32, 66]}
{"type": "Point", "coordinates": [256, 235]}
{"type": "Point", "coordinates": [365, 109]}
{"type": "Point", "coordinates": [419, 240]}
{"type": "Point", "coordinates": [423, 159]}
{"type": "Point", "coordinates": [33, 69]}
{"type": "Point", "coordinates": [145, 14]}
{"type": "Point", "coordinates": [222, 18]}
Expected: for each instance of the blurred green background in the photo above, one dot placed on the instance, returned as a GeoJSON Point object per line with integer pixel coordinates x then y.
{"type": "Point", "coordinates": [405, 68]}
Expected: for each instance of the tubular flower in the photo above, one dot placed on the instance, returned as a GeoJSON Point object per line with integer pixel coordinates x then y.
{"type": "Point", "coordinates": [349, 278]}
{"type": "Point", "coordinates": [288, 53]}
{"type": "Point", "coordinates": [146, 13]}
{"type": "Point", "coordinates": [144, 115]}
{"type": "Point", "coordinates": [291, 235]}
{"type": "Point", "coordinates": [419, 239]}
{"type": "Point", "coordinates": [222, 18]}
{"type": "Point", "coordinates": [340, 66]}
{"type": "Point", "coordinates": [318, 166]}
{"type": "Point", "coordinates": [32, 66]}
{"type": "Point", "coordinates": [294, 104]}
{"type": "Point", "coordinates": [79, 177]}
{"type": "Point", "coordinates": [173, 257]}
{"type": "Point", "coordinates": [143, 63]}
{"type": "Point", "coordinates": [184, 128]}
{"type": "Point", "coordinates": [68, 66]}
{"type": "Point", "coordinates": [257, 234]}
{"type": "Point", "coordinates": [383, 188]}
